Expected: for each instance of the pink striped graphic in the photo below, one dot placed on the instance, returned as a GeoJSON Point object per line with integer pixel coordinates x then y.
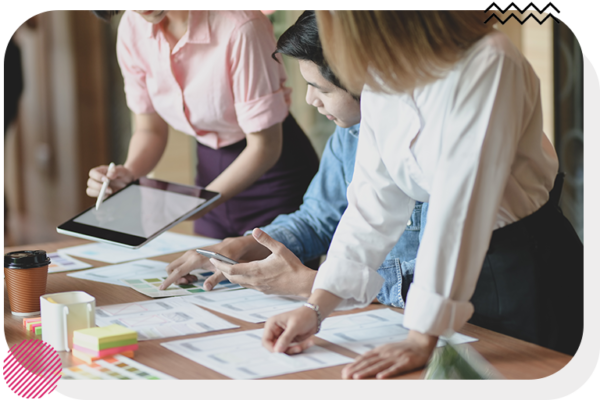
{"type": "Point", "coordinates": [32, 369]}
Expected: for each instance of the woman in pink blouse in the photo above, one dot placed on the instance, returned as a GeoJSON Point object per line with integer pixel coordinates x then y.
{"type": "Point", "coordinates": [209, 74]}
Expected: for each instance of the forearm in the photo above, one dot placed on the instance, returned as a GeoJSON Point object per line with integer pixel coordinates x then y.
{"type": "Point", "coordinates": [326, 301]}
{"type": "Point", "coordinates": [147, 144]}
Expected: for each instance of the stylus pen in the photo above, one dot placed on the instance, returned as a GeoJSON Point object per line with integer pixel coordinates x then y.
{"type": "Point", "coordinates": [111, 166]}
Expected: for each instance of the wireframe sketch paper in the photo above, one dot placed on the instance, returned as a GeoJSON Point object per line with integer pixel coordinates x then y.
{"type": "Point", "coordinates": [240, 355]}
{"type": "Point", "coordinates": [157, 319]}
{"type": "Point", "coordinates": [166, 243]}
{"type": "Point", "coordinates": [149, 286]}
{"type": "Point", "coordinates": [364, 331]}
{"type": "Point", "coordinates": [114, 274]}
{"type": "Point", "coordinates": [246, 304]}
{"type": "Point", "coordinates": [63, 263]}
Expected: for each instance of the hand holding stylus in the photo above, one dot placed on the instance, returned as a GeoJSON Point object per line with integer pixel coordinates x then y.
{"type": "Point", "coordinates": [119, 177]}
{"type": "Point", "coordinates": [111, 166]}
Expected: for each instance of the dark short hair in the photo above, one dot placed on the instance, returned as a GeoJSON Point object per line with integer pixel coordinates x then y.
{"type": "Point", "coordinates": [105, 16]}
{"type": "Point", "coordinates": [301, 41]}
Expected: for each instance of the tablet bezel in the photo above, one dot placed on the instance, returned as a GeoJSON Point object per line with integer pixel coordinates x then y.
{"type": "Point", "coordinates": [94, 233]}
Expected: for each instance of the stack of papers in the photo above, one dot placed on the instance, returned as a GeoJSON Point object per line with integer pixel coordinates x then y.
{"type": "Point", "coordinates": [246, 304]}
{"type": "Point", "coordinates": [114, 274]}
{"type": "Point", "coordinates": [166, 243]}
{"type": "Point", "coordinates": [149, 286]}
{"type": "Point", "coordinates": [157, 319]}
{"type": "Point", "coordinates": [364, 331]}
{"type": "Point", "coordinates": [241, 355]}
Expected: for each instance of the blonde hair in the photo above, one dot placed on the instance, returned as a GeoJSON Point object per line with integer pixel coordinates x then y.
{"type": "Point", "coordinates": [396, 50]}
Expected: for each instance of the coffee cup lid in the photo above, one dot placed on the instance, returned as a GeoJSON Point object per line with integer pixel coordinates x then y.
{"type": "Point", "coordinates": [23, 259]}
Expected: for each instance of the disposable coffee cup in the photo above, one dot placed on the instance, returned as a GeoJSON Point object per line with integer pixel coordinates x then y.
{"type": "Point", "coordinates": [26, 273]}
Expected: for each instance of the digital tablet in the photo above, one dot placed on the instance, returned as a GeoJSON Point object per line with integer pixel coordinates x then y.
{"type": "Point", "coordinates": [139, 212]}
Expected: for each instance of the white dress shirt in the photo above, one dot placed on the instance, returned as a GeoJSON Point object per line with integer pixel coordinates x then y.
{"type": "Point", "coordinates": [472, 145]}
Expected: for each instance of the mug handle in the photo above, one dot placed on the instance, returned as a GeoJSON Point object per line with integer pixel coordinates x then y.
{"type": "Point", "coordinates": [66, 335]}
{"type": "Point", "coordinates": [89, 316]}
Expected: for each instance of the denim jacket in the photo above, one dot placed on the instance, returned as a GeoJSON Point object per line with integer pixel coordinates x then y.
{"type": "Point", "coordinates": [308, 232]}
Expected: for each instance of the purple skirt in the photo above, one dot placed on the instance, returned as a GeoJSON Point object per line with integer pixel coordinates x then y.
{"type": "Point", "coordinates": [279, 191]}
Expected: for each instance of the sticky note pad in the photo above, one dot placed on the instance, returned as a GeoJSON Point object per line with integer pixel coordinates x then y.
{"type": "Point", "coordinates": [90, 359]}
{"type": "Point", "coordinates": [32, 324]}
{"type": "Point", "coordinates": [32, 327]}
{"type": "Point", "coordinates": [30, 320]}
{"type": "Point", "coordinates": [38, 330]}
{"type": "Point", "coordinates": [105, 337]}
{"type": "Point", "coordinates": [107, 352]}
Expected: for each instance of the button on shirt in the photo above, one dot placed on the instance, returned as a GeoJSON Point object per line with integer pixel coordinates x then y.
{"type": "Point", "coordinates": [218, 83]}
{"type": "Point", "coordinates": [472, 144]}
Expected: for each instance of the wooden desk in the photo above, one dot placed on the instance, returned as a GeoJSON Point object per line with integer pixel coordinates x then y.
{"type": "Point", "coordinates": [513, 358]}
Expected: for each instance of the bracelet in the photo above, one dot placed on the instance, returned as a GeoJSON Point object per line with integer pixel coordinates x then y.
{"type": "Point", "coordinates": [317, 311]}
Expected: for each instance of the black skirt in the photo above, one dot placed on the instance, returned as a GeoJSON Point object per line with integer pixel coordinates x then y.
{"type": "Point", "coordinates": [531, 282]}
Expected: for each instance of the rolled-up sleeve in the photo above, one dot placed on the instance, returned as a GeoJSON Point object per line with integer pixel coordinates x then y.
{"type": "Point", "coordinates": [370, 227]}
{"type": "Point", "coordinates": [257, 79]}
{"type": "Point", "coordinates": [134, 75]}
{"type": "Point", "coordinates": [478, 149]}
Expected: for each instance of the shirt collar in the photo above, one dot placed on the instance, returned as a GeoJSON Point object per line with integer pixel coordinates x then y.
{"type": "Point", "coordinates": [198, 28]}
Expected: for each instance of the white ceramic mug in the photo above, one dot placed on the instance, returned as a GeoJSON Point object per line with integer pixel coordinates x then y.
{"type": "Point", "coordinates": [63, 313]}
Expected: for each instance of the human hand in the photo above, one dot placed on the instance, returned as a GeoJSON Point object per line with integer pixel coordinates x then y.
{"type": "Point", "coordinates": [119, 177]}
{"type": "Point", "coordinates": [290, 332]}
{"type": "Point", "coordinates": [393, 359]}
{"type": "Point", "coordinates": [180, 269]}
{"type": "Point", "coordinates": [280, 273]}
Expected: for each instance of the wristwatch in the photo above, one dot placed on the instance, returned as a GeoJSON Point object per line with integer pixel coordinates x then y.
{"type": "Point", "coordinates": [317, 311]}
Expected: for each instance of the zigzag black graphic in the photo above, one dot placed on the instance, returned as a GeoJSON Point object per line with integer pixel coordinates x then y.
{"type": "Point", "coordinates": [525, 20]}
{"type": "Point", "coordinates": [522, 11]}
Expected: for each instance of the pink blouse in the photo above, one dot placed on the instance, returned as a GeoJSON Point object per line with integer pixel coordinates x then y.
{"type": "Point", "coordinates": [218, 83]}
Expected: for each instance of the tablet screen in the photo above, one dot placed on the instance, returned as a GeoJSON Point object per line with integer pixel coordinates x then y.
{"type": "Point", "coordinates": [140, 210]}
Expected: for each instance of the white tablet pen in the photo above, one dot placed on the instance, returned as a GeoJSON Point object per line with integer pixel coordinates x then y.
{"type": "Point", "coordinates": [111, 166]}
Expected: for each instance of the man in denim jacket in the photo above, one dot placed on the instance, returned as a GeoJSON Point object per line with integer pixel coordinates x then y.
{"type": "Point", "coordinates": [308, 231]}
{"type": "Point", "coordinates": [291, 240]}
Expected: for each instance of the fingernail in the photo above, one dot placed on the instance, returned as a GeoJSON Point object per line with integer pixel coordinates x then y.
{"type": "Point", "coordinates": [208, 286]}
{"type": "Point", "coordinates": [104, 179]}
{"type": "Point", "coordinates": [257, 233]}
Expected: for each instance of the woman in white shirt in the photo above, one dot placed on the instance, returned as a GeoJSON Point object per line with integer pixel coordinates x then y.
{"type": "Point", "coordinates": [451, 115]}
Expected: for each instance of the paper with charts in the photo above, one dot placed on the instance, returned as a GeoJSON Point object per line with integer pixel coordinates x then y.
{"type": "Point", "coordinates": [364, 331]}
{"type": "Point", "coordinates": [63, 263]}
{"type": "Point", "coordinates": [157, 319]}
{"type": "Point", "coordinates": [241, 355]}
{"type": "Point", "coordinates": [166, 243]}
{"type": "Point", "coordinates": [149, 286]}
{"type": "Point", "coordinates": [246, 304]}
{"type": "Point", "coordinates": [114, 368]}
{"type": "Point", "coordinates": [114, 274]}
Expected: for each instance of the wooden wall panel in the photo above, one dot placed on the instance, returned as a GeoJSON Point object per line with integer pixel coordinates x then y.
{"type": "Point", "coordinates": [61, 131]}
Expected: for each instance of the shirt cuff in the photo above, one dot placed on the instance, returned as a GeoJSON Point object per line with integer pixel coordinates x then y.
{"type": "Point", "coordinates": [355, 283]}
{"type": "Point", "coordinates": [428, 312]}
{"type": "Point", "coordinates": [261, 113]}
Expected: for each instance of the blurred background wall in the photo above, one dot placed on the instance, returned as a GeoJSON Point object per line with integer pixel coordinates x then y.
{"type": "Point", "coordinates": [72, 116]}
